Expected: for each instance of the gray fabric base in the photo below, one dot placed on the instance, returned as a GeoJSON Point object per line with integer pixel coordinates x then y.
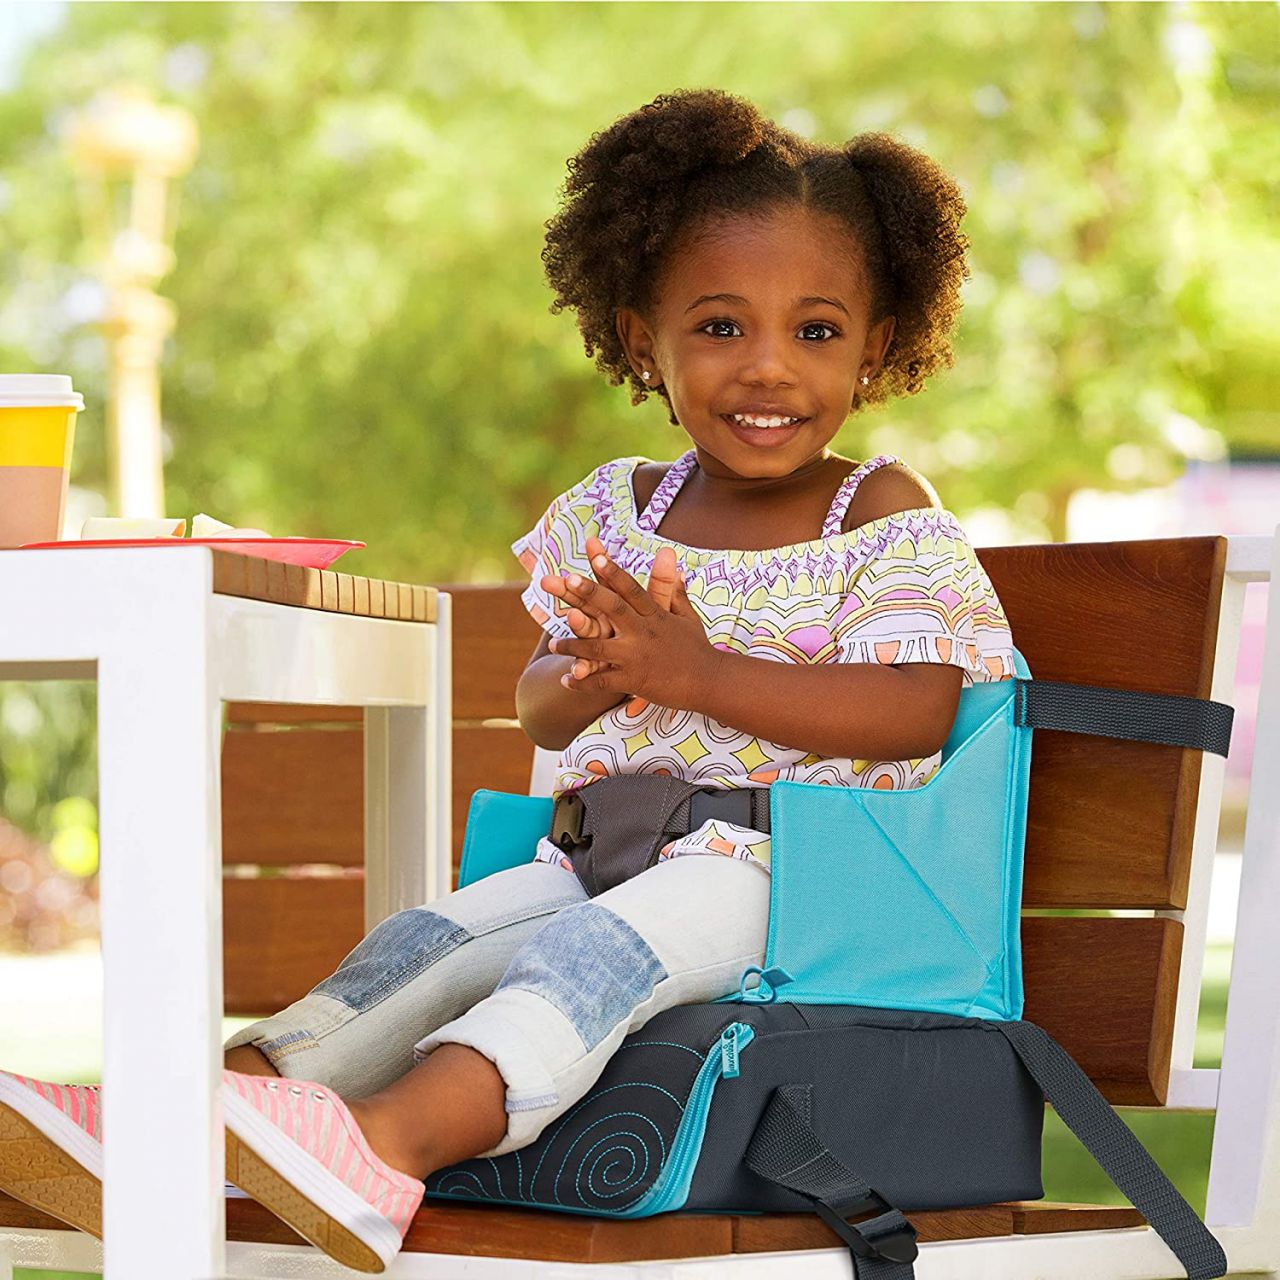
{"type": "Point", "coordinates": [934, 1112]}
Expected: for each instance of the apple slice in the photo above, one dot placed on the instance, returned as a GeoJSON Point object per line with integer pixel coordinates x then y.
{"type": "Point", "coordinates": [203, 526]}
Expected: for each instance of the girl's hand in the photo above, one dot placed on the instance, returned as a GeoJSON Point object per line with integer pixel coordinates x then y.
{"type": "Point", "coordinates": [662, 581]}
{"type": "Point", "coordinates": [656, 652]}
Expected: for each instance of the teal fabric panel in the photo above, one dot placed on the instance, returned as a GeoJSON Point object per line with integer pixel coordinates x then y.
{"type": "Point", "coordinates": [910, 899]}
{"type": "Point", "coordinates": [503, 830]}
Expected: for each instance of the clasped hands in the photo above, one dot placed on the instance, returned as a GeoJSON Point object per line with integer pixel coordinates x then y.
{"type": "Point", "coordinates": [629, 640]}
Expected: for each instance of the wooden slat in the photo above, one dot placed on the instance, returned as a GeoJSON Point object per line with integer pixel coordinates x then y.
{"type": "Point", "coordinates": [494, 637]}
{"type": "Point", "coordinates": [500, 1232]}
{"type": "Point", "coordinates": [766, 1232]}
{"type": "Point", "coordinates": [1036, 1217]}
{"type": "Point", "coordinates": [235, 574]}
{"type": "Point", "coordinates": [293, 797]}
{"type": "Point", "coordinates": [1109, 823]}
{"type": "Point", "coordinates": [281, 936]}
{"type": "Point", "coordinates": [268, 713]}
{"type": "Point", "coordinates": [1106, 990]}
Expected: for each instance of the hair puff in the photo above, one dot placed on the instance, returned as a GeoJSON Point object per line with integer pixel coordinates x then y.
{"type": "Point", "coordinates": [654, 176]}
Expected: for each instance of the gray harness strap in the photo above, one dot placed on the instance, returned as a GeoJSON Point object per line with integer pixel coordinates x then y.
{"type": "Point", "coordinates": [786, 1150]}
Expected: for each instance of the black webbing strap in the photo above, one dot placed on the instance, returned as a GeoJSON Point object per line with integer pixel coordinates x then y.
{"type": "Point", "coordinates": [785, 1150]}
{"type": "Point", "coordinates": [1169, 718]}
{"type": "Point", "coordinates": [1111, 1143]}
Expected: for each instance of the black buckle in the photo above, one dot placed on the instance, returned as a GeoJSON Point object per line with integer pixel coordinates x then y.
{"type": "Point", "coordinates": [889, 1236]}
{"type": "Point", "coordinates": [729, 804]}
{"type": "Point", "coordinates": [566, 822]}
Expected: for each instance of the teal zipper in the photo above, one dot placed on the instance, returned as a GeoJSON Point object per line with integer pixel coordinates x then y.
{"type": "Point", "coordinates": [671, 1189]}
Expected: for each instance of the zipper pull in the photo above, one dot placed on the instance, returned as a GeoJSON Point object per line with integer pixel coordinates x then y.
{"type": "Point", "coordinates": [729, 1052]}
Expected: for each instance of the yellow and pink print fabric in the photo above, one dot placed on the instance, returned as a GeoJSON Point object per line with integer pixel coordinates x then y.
{"type": "Point", "coordinates": [906, 588]}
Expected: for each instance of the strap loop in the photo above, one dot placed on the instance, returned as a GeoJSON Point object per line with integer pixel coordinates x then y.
{"type": "Point", "coordinates": [1130, 714]}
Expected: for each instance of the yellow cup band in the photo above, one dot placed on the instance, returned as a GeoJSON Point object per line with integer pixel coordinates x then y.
{"type": "Point", "coordinates": [36, 437]}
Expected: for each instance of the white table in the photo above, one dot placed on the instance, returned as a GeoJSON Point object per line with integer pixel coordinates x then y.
{"type": "Point", "coordinates": [169, 633]}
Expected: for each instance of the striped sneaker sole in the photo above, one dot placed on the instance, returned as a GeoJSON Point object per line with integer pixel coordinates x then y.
{"type": "Point", "coordinates": [40, 1173]}
{"type": "Point", "coordinates": [305, 1195]}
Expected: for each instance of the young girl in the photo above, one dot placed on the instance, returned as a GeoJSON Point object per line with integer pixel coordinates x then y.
{"type": "Point", "coordinates": [761, 608]}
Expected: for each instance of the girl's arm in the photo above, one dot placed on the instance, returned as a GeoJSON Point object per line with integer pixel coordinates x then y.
{"type": "Point", "coordinates": [549, 713]}
{"type": "Point", "coordinates": [859, 710]}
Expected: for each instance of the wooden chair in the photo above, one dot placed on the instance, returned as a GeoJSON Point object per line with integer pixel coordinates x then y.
{"type": "Point", "coordinates": [1112, 825]}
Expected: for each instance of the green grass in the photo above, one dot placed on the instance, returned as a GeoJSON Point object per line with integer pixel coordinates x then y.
{"type": "Point", "coordinates": [1179, 1142]}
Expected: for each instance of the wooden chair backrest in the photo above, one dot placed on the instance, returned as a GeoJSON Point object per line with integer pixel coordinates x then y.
{"type": "Point", "coordinates": [1110, 823]}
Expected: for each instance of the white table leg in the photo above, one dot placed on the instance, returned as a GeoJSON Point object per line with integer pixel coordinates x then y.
{"type": "Point", "coordinates": [440, 770]}
{"type": "Point", "coordinates": [159, 781]}
{"type": "Point", "coordinates": [407, 789]}
{"type": "Point", "coordinates": [397, 815]}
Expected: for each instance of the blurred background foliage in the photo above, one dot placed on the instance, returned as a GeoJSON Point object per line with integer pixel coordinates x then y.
{"type": "Point", "coordinates": [364, 347]}
{"type": "Point", "coordinates": [364, 344]}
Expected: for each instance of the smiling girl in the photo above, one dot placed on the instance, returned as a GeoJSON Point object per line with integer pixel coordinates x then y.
{"type": "Point", "coordinates": [760, 609]}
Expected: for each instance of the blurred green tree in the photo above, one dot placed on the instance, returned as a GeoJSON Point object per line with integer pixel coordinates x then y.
{"type": "Point", "coordinates": [364, 347]}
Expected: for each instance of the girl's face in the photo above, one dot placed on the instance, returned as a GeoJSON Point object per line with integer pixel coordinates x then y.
{"type": "Point", "coordinates": [764, 317]}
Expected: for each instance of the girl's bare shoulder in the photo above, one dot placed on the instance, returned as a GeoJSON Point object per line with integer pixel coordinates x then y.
{"type": "Point", "coordinates": [887, 490]}
{"type": "Point", "coordinates": [645, 480]}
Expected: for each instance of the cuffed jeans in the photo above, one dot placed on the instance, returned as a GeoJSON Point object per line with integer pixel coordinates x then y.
{"type": "Point", "coordinates": [526, 969]}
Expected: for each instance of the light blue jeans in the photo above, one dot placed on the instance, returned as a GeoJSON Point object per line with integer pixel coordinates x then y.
{"type": "Point", "coordinates": [526, 969]}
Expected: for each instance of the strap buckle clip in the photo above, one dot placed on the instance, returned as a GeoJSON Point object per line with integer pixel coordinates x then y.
{"type": "Point", "coordinates": [566, 822]}
{"type": "Point", "coordinates": [889, 1236]}
{"type": "Point", "coordinates": [729, 804]}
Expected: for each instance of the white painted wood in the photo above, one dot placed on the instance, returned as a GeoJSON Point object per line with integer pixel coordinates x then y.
{"type": "Point", "coordinates": [542, 779]}
{"type": "Point", "coordinates": [145, 619]}
{"type": "Point", "coordinates": [1249, 556]}
{"type": "Point", "coordinates": [398, 825]}
{"type": "Point", "coordinates": [1191, 1089]}
{"type": "Point", "coordinates": [1244, 1178]}
{"type": "Point", "coordinates": [440, 772]}
{"type": "Point", "coordinates": [1204, 840]}
{"type": "Point", "coordinates": [166, 651]}
{"type": "Point", "coordinates": [1133, 1254]}
{"type": "Point", "coordinates": [408, 782]}
{"type": "Point", "coordinates": [51, 1250]}
{"type": "Point", "coordinates": [280, 653]}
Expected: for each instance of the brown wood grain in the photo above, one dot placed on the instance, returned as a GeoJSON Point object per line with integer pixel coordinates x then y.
{"type": "Point", "coordinates": [281, 936]}
{"type": "Point", "coordinates": [1036, 1217]}
{"type": "Point", "coordinates": [276, 713]}
{"type": "Point", "coordinates": [1110, 823]}
{"type": "Point", "coordinates": [1106, 990]}
{"type": "Point", "coordinates": [235, 574]}
{"type": "Point", "coordinates": [501, 1232]}
{"type": "Point", "coordinates": [293, 796]}
{"type": "Point", "coordinates": [494, 637]}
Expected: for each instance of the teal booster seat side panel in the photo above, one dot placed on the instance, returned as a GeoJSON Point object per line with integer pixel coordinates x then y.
{"type": "Point", "coordinates": [910, 899]}
{"type": "Point", "coordinates": [503, 830]}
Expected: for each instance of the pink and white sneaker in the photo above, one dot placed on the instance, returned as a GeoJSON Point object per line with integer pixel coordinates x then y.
{"type": "Point", "coordinates": [295, 1148]}
{"type": "Point", "coordinates": [51, 1148]}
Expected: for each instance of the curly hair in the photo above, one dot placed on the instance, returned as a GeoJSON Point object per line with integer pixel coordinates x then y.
{"type": "Point", "coordinates": [641, 187]}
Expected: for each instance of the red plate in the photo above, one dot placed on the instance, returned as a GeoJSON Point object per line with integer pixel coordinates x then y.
{"type": "Point", "coordinates": [314, 553]}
